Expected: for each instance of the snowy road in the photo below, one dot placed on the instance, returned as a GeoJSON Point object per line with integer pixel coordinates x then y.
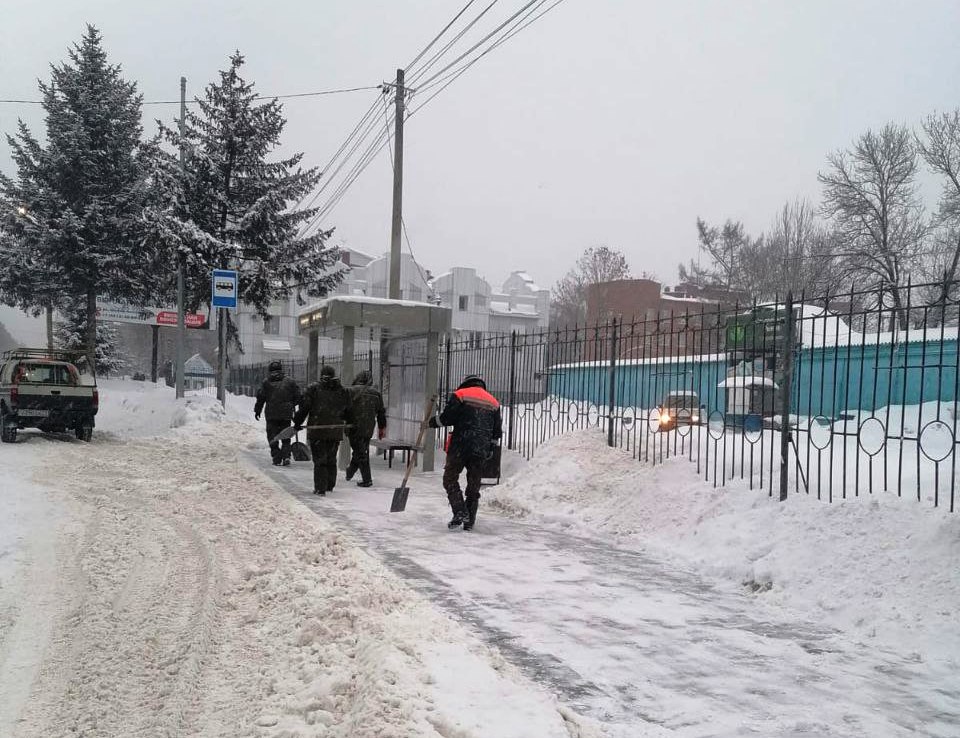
{"type": "Point", "coordinates": [629, 640]}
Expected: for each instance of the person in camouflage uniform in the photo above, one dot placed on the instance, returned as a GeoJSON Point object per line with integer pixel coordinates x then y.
{"type": "Point", "coordinates": [325, 403]}
{"type": "Point", "coordinates": [368, 413]}
{"type": "Point", "coordinates": [280, 395]}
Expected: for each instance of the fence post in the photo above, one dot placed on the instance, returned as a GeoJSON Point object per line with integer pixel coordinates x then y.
{"type": "Point", "coordinates": [786, 389]}
{"type": "Point", "coordinates": [612, 376]}
{"type": "Point", "coordinates": [513, 388]}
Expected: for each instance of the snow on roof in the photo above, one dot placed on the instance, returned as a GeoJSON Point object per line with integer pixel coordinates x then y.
{"type": "Point", "coordinates": [741, 381]}
{"type": "Point", "coordinates": [196, 364]}
{"type": "Point", "coordinates": [522, 309]}
{"type": "Point", "coordinates": [383, 301]}
{"type": "Point", "coordinates": [682, 393]}
{"type": "Point", "coordinates": [698, 300]}
{"type": "Point", "coordinates": [529, 280]}
{"type": "Point", "coordinates": [276, 344]}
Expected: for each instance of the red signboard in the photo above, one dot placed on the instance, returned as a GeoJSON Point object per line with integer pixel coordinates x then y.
{"type": "Point", "coordinates": [191, 320]}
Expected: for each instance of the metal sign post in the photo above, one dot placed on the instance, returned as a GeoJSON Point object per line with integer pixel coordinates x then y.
{"type": "Point", "coordinates": [223, 298]}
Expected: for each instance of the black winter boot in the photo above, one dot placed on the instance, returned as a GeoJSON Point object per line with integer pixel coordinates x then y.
{"type": "Point", "coordinates": [459, 515]}
{"type": "Point", "coordinates": [351, 470]}
{"type": "Point", "coordinates": [471, 514]}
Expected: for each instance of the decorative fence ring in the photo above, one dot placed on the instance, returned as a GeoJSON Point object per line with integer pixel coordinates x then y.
{"type": "Point", "coordinates": [593, 415]}
{"type": "Point", "coordinates": [653, 420]}
{"type": "Point", "coordinates": [554, 411]}
{"type": "Point", "coordinates": [538, 411]}
{"type": "Point", "coordinates": [752, 428]}
{"type": "Point", "coordinates": [936, 441]}
{"type": "Point", "coordinates": [716, 425]}
{"type": "Point", "coordinates": [871, 436]}
{"type": "Point", "coordinates": [820, 430]}
{"type": "Point", "coordinates": [628, 417]}
{"type": "Point", "coordinates": [573, 412]}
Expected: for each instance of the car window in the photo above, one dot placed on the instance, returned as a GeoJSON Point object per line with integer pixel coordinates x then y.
{"type": "Point", "coordinates": [681, 401]}
{"type": "Point", "coordinates": [44, 374]}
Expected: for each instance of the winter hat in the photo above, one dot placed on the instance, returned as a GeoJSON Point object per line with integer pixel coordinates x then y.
{"type": "Point", "coordinates": [276, 366]}
{"type": "Point", "coordinates": [327, 371]}
{"type": "Point", "coordinates": [363, 377]}
{"type": "Point", "coordinates": [473, 380]}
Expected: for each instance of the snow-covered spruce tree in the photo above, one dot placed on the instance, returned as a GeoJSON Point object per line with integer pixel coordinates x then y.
{"type": "Point", "coordinates": [231, 206]}
{"type": "Point", "coordinates": [83, 190]}
{"type": "Point", "coordinates": [71, 334]}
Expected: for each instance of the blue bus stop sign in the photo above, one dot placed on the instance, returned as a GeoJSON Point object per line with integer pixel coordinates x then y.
{"type": "Point", "coordinates": [224, 289]}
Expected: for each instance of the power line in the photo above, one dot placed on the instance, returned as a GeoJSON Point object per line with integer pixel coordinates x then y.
{"type": "Point", "coordinates": [368, 123]}
{"type": "Point", "coordinates": [317, 93]}
{"type": "Point", "coordinates": [483, 40]}
{"type": "Point", "coordinates": [439, 35]}
{"type": "Point", "coordinates": [453, 76]}
{"type": "Point", "coordinates": [430, 62]}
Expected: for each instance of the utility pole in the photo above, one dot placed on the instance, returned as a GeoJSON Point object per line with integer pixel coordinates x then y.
{"type": "Point", "coordinates": [181, 318]}
{"type": "Point", "coordinates": [396, 231]}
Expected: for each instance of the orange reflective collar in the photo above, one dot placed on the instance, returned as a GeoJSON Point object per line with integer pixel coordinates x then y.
{"type": "Point", "coordinates": [477, 396]}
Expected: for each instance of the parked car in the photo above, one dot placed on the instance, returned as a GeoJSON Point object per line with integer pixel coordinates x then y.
{"type": "Point", "coordinates": [48, 390]}
{"type": "Point", "coordinates": [679, 408]}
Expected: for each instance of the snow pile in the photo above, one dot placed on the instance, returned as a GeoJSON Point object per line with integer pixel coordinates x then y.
{"type": "Point", "coordinates": [143, 409]}
{"type": "Point", "coordinates": [880, 567]}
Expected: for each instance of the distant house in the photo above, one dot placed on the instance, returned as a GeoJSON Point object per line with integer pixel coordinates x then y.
{"type": "Point", "coordinates": [198, 374]}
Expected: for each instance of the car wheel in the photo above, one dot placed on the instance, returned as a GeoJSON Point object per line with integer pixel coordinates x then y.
{"type": "Point", "coordinates": [85, 433]}
{"type": "Point", "coordinates": [8, 434]}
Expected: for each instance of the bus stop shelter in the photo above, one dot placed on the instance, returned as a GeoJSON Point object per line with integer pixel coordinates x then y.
{"type": "Point", "coordinates": [398, 321]}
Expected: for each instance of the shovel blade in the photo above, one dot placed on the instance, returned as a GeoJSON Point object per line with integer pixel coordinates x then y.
{"type": "Point", "coordinates": [399, 503]}
{"type": "Point", "coordinates": [299, 451]}
{"type": "Point", "coordinates": [284, 434]}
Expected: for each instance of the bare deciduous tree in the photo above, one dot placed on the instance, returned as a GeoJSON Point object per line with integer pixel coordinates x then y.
{"type": "Point", "coordinates": [595, 266]}
{"type": "Point", "coordinates": [792, 256]}
{"type": "Point", "coordinates": [940, 148]}
{"type": "Point", "coordinates": [870, 195]}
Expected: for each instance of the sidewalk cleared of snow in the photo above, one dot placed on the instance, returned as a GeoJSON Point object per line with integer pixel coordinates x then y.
{"type": "Point", "coordinates": [879, 567]}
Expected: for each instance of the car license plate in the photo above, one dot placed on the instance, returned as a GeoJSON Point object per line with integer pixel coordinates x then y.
{"type": "Point", "coordinates": [27, 413]}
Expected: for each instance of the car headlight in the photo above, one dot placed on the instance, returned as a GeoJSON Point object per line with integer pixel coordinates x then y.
{"type": "Point", "coordinates": [694, 418]}
{"type": "Point", "coordinates": [665, 418]}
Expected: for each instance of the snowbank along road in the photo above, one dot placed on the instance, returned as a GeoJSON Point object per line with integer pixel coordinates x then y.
{"type": "Point", "coordinates": [180, 593]}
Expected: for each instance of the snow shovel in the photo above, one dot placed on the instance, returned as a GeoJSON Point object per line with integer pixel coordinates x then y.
{"type": "Point", "coordinates": [299, 450]}
{"type": "Point", "coordinates": [292, 430]}
{"type": "Point", "coordinates": [400, 494]}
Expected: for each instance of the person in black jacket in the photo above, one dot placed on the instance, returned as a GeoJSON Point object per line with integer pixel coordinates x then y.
{"type": "Point", "coordinates": [368, 413]}
{"type": "Point", "coordinates": [327, 404]}
{"type": "Point", "coordinates": [477, 425]}
{"type": "Point", "coordinates": [280, 395]}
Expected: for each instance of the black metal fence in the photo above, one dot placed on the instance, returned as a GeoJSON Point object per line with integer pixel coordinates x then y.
{"type": "Point", "coordinates": [836, 396]}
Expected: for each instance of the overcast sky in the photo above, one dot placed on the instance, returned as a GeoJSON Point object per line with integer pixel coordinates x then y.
{"type": "Point", "coordinates": [611, 122]}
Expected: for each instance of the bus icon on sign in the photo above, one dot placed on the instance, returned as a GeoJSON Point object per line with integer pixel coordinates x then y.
{"type": "Point", "coordinates": [224, 289]}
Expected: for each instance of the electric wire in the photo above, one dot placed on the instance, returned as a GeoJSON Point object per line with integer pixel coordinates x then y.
{"type": "Point", "coordinates": [368, 123]}
{"type": "Point", "coordinates": [439, 35]}
{"type": "Point", "coordinates": [482, 41]}
{"type": "Point", "coordinates": [318, 93]}
{"type": "Point", "coordinates": [451, 78]}
{"type": "Point", "coordinates": [433, 60]}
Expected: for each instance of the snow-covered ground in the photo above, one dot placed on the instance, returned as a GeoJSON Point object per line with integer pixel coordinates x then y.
{"type": "Point", "coordinates": [879, 566]}
{"type": "Point", "coordinates": [164, 581]}
{"type": "Point", "coordinates": [157, 585]}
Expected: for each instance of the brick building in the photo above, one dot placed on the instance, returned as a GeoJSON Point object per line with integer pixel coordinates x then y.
{"type": "Point", "coordinates": [657, 320]}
